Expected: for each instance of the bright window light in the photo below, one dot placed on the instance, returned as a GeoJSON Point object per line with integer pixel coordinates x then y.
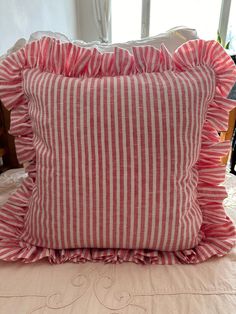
{"type": "Point", "coordinates": [203, 15]}
{"type": "Point", "coordinates": [126, 20]}
{"type": "Point", "coordinates": [231, 36]}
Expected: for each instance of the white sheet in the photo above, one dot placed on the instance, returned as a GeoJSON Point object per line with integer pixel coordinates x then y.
{"type": "Point", "coordinates": [96, 288]}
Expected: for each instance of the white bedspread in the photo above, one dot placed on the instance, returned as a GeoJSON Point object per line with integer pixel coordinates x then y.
{"type": "Point", "coordinates": [96, 288]}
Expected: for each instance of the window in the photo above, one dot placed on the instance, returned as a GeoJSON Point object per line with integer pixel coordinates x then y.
{"type": "Point", "coordinates": [126, 19]}
{"type": "Point", "coordinates": [132, 19]}
{"type": "Point", "coordinates": [231, 35]}
{"type": "Point", "coordinates": [202, 15]}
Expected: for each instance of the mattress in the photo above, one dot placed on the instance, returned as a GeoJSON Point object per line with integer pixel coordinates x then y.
{"type": "Point", "coordinates": [127, 288]}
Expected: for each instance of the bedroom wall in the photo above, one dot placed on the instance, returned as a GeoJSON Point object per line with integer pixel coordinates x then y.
{"type": "Point", "coordinates": [21, 18]}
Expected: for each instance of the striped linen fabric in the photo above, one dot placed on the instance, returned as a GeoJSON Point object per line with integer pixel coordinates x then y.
{"type": "Point", "coordinates": [123, 153]}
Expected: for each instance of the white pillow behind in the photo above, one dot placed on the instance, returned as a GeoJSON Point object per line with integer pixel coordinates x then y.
{"type": "Point", "coordinates": [172, 39]}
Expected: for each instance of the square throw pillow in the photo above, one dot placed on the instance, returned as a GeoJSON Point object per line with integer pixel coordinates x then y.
{"type": "Point", "coordinates": [123, 153]}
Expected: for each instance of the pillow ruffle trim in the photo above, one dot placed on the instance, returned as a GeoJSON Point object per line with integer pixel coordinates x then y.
{"type": "Point", "coordinates": [49, 54]}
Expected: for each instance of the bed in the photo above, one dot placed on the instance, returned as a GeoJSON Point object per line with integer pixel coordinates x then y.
{"type": "Point", "coordinates": [209, 287]}
{"type": "Point", "coordinates": [122, 288]}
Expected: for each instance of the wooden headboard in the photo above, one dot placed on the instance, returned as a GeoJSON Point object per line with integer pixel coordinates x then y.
{"type": "Point", "coordinates": [7, 145]}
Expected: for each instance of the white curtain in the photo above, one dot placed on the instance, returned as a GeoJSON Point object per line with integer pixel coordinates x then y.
{"type": "Point", "coordinates": [102, 14]}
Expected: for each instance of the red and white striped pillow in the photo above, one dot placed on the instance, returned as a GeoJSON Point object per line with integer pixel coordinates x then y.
{"type": "Point", "coordinates": [122, 150]}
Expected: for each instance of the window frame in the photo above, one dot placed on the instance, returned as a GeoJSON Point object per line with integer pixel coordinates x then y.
{"type": "Point", "coordinates": [222, 26]}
